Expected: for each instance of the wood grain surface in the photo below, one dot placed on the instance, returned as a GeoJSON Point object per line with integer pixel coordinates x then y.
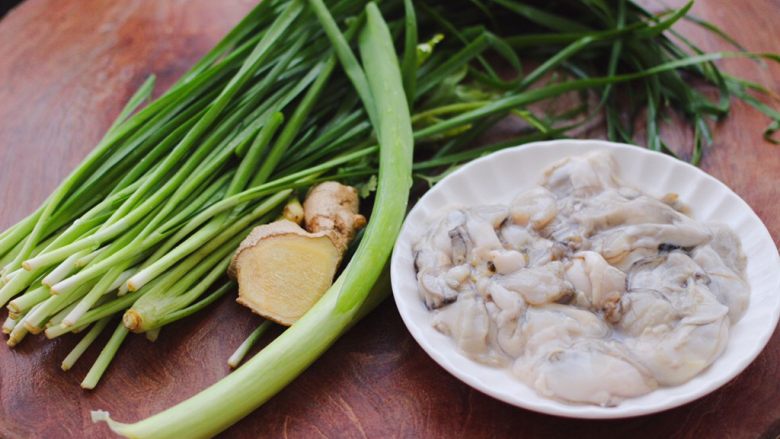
{"type": "Point", "coordinates": [66, 69]}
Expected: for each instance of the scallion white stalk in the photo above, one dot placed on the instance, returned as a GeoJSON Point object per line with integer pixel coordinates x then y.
{"type": "Point", "coordinates": [238, 356]}
{"type": "Point", "coordinates": [84, 343]}
{"type": "Point", "coordinates": [104, 359]}
{"type": "Point", "coordinates": [9, 325]}
{"type": "Point", "coordinates": [63, 270]}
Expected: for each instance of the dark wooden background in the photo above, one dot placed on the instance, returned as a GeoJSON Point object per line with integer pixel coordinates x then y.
{"type": "Point", "coordinates": [66, 69]}
{"type": "Point", "coordinates": [7, 5]}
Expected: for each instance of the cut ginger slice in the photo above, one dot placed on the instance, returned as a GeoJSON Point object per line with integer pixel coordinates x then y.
{"type": "Point", "coordinates": [282, 270]}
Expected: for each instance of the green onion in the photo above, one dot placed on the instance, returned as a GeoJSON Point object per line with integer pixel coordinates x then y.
{"type": "Point", "coordinates": [105, 357]}
{"type": "Point", "coordinates": [85, 342]}
{"type": "Point", "coordinates": [238, 356]}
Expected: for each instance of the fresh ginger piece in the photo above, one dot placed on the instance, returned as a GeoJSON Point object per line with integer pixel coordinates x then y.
{"type": "Point", "coordinates": [282, 269]}
{"type": "Point", "coordinates": [332, 208]}
{"type": "Point", "coordinates": [293, 211]}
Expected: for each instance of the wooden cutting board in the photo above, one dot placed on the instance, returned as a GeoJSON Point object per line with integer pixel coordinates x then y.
{"type": "Point", "coordinates": [66, 69]}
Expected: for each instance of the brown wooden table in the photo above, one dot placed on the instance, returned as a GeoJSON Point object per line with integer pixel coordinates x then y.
{"type": "Point", "coordinates": [66, 69]}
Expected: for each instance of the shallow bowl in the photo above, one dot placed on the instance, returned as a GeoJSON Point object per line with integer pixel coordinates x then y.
{"type": "Point", "coordinates": [496, 178]}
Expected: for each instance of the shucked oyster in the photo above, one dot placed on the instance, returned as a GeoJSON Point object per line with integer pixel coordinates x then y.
{"type": "Point", "coordinates": [589, 290]}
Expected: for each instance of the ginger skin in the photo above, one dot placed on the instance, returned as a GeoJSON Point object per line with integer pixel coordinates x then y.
{"type": "Point", "coordinates": [332, 208]}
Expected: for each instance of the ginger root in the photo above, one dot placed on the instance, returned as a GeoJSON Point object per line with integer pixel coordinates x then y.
{"type": "Point", "coordinates": [332, 208]}
{"type": "Point", "coordinates": [282, 269]}
{"type": "Point", "coordinates": [293, 211]}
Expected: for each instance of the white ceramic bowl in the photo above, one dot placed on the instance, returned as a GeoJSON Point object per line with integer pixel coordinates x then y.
{"type": "Point", "coordinates": [496, 178]}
